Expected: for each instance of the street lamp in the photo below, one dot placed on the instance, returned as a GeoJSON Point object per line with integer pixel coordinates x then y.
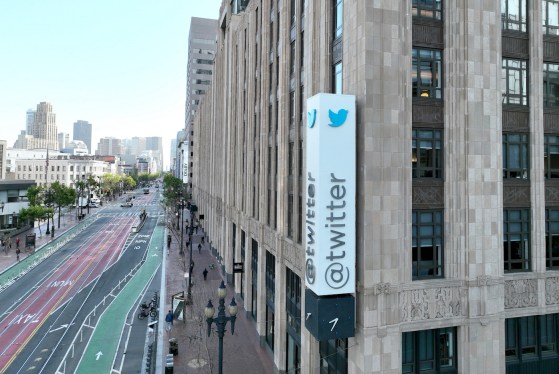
{"type": "Point", "coordinates": [181, 205]}
{"type": "Point", "coordinates": [48, 216]}
{"type": "Point", "coordinates": [191, 267]}
{"type": "Point", "coordinates": [221, 319]}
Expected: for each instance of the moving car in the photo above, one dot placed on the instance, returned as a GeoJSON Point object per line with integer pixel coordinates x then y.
{"type": "Point", "coordinates": [127, 204]}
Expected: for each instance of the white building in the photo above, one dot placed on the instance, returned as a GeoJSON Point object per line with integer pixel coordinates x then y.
{"type": "Point", "coordinates": [63, 168]}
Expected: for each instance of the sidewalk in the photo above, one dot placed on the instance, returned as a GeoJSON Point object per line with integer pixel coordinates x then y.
{"type": "Point", "coordinates": [67, 221]}
{"type": "Point", "coordinates": [242, 352]}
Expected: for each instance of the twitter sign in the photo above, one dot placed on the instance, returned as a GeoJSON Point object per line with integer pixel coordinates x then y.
{"type": "Point", "coordinates": [329, 224]}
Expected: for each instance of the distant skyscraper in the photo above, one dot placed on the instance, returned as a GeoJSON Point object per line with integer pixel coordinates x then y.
{"type": "Point", "coordinates": [29, 119]}
{"type": "Point", "coordinates": [63, 140]}
{"type": "Point", "coordinates": [137, 146]}
{"type": "Point", "coordinates": [201, 51]}
{"type": "Point", "coordinates": [154, 143]}
{"type": "Point", "coordinates": [82, 131]}
{"type": "Point", "coordinates": [109, 147]}
{"type": "Point", "coordinates": [44, 130]}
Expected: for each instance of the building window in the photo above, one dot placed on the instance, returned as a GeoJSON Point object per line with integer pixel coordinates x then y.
{"type": "Point", "coordinates": [552, 239]}
{"type": "Point", "coordinates": [514, 81]}
{"type": "Point", "coordinates": [516, 239]}
{"type": "Point", "coordinates": [529, 341]}
{"type": "Point", "coordinates": [550, 85]}
{"type": "Point", "coordinates": [550, 17]}
{"type": "Point", "coordinates": [337, 78]}
{"type": "Point", "coordinates": [270, 298]}
{"type": "Point", "coordinates": [427, 73]}
{"type": "Point", "coordinates": [429, 351]}
{"type": "Point", "coordinates": [431, 9]}
{"type": "Point", "coordinates": [293, 328]}
{"type": "Point", "coordinates": [515, 156]}
{"type": "Point", "coordinates": [333, 356]}
{"type": "Point", "coordinates": [292, 108]}
{"type": "Point", "coordinates": [338, 18]}
{"type": "Point", "coordinates": [551, 156]}
{"type": "Point", "coordinates": [427, 244]}
{"type": "Point", "coordinates": [290, 216]}
{"type": "Point", "coordinates": [427, 156]}
{"type": "Point", "coordinates": [254, 277]}
{"type": "Point", "coordinates": [513, 15]}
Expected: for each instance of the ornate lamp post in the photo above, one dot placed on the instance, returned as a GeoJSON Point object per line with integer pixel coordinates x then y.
{"type": "Point", "coordinates": [221, 319]}
{"type": "Point", "coordinates": [182, 204]}
{"type": "Point", "coordinates": [192, 227]}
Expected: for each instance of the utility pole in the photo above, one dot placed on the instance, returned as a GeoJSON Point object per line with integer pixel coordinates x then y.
{"type": "Point", "coordinates": [47, 191]}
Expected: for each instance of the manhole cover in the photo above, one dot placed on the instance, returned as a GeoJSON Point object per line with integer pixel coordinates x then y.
{"type": "Point", "coordinates": [197, 363]}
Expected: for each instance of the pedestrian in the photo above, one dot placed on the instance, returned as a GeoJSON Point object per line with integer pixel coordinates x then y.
{"type": "Point", "coordinates": [191, 266]}
{"type": "Point", "coordinates": [17, 243]}
{"type": "Point", "coordinates": [169, 241]}
{"type": "Point", "coordinates": [199, 248]}
{"type": "Point", "coordinates": [169, 320]}
{"type": "Point", "coordinates": [205, 273]}
{"type": "Point", "coordinates": [202, 240]}
{"type": "Point", "coordinates": [18, 252]}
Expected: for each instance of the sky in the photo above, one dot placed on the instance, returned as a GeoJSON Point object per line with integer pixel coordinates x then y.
{"type": "Point", "coordinates": [118, 64]}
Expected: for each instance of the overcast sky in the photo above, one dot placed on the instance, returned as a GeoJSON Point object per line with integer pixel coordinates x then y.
{"type": "Point", "coordinates": [119, 64]}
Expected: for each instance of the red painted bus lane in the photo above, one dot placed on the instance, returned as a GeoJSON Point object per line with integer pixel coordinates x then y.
{"type": "Point", "coordinates": [82, 267]}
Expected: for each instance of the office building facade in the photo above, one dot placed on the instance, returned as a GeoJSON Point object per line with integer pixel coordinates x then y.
{"type": "Point", "coordinates": [201, 51]}
{"type": "Point", "coordinates": [457, 195]}
{"type": "Point", "coordinates": [109, 147]}
{"type": "Point", "coordinates": [44, 130]}
{"type": "Point", "coordinates": [83, 131]}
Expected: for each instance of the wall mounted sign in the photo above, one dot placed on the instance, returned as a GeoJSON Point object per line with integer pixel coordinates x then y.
{"type": "Point", "coordinates": [329, 223]}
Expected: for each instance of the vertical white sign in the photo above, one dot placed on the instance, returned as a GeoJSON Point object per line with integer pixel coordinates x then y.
{"type": "Point", "coordinates": [329, 223]}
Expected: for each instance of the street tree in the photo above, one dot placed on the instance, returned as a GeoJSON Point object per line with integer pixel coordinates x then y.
{"type": "Point", "coordinates": [35, 213]}
{"type": "Point", "coordinates": [62, 196]}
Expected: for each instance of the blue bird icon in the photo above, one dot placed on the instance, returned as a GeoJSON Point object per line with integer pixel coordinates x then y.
{"type": "Point", "coordinates": [311, 118]}
{"type": "Point", "coordinates": [337, 119]}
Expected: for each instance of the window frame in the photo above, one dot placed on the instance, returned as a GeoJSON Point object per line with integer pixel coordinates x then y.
{"type": "Point", "coordinates": [416, 345]}
{"type": "Point", "coordinates": [434, 235]}
{"type": "Point", "coordinates": [433, 11]}
{"type": "Point", "coordinates": [507, 21]}
{"type": "Point", "coordinates": [549, 145]}
{"type": "Point", "coordinates": [522, 234]}
{"type": "Point", "coordinates": [436, 167]}
{"type": "Point", "coordinates": [337, 18]}
{"type": "Point", "coordinates": [544, 332]}
{"type": "Point", "coordinates": [333, 356]}
{"type": "Point", "coordinates": [434, 90]}
{"type": "Point", "coordinates": [523, 144]}
{"type": "Point", "coordinates": [337, 78]}
{"type": "Point", "coordinates": [546, 28]}
{"type": "Point", "coordinates": [510, 97]}
{"type": "Point", "coordinates": [550, 100]}
{"type": "Point", "coordinates": [551, 228]}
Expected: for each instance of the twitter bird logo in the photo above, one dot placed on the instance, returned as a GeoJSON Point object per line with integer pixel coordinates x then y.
{"type": "Point", "coordinates": [311, 118]}
{"type": "Point", "coordinates": [337, 119]}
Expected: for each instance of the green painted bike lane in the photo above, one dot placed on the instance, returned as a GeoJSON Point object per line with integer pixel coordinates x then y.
{"type": "Point", "coordinates": [107, 333]}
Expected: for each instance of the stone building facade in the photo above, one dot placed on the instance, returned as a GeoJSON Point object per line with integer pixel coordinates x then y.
{"type": "Point", "coordinates": [457, 191]}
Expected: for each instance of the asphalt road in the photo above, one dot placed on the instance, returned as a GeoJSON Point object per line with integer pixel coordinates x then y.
{"type": "Point", "coordinates": [43, 314]}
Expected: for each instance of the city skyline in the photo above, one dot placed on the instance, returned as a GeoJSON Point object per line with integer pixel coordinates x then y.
{"type": "Point", "coordinates": [126, 76]}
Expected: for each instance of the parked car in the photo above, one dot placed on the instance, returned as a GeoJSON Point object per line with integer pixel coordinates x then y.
{"type": "Point", "coordinates": [127, 204]}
